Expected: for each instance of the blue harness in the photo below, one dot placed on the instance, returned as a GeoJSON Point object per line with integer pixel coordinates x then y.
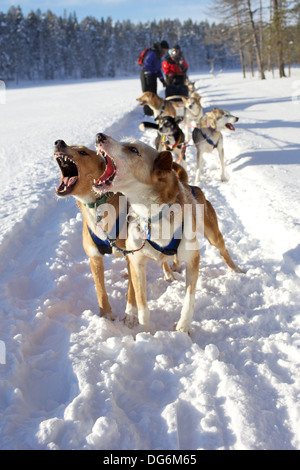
{"type": "Point", "coordinates": [208, 139]}
{"type": "Point", "coordinates": [173, 246]}
{"type": "Point", "coordinates": [104, 246]}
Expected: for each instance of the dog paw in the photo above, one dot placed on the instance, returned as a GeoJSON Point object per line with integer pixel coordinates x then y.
{"type": "Point", "coordinates": [182, 326]}
{"type": "Point", "coordinates": [176, 266]}
{"type": "Point", "coordinates": [168, 273]}
{"type": "Point", "coordinates": [224, 179]}
{"type": "Point", "coordinates": [239, 270]}
{"type": "Point", "coordinates": [130, 320]}
{"type": "Point", "coordinates": [108, 315]}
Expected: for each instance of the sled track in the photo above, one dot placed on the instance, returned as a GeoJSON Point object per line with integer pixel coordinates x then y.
{"type": "Point", "coordinates": [71, 374]}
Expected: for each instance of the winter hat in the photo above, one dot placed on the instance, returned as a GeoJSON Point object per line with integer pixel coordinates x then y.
{"type": "Point", "coordinates": [156, 46]}
{"type": "Point", "coordinates": [164, 45]}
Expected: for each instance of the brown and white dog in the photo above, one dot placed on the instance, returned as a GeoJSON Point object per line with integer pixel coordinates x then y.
{"type": "Point", "coordinates": [159, 106]}
{"type": "Point", "coordinates": [80, 167]}
{"type": "Point", "coordinates": [208, 136]}
{"type": "Point", "coordinates": [159, 200]}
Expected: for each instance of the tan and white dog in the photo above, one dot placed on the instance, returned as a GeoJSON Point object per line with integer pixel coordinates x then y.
{"type": "Point", "coordinates": [159, 106]}
{"type": "Point", "coordinates": [166, 217]}
{"type": "Point", "coordinates": [193, 112]}
{"type": "Point", "coordinates": [208, 136]}
{"type": "Point", "coordinates": [80, 167]}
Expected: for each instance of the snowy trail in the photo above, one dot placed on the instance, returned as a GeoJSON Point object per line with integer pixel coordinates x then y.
{"type": "Point", "coordinates": [75, 381]}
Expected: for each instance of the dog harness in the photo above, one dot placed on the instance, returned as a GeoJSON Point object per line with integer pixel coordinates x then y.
{"type": "Point", "coordinates": [172, 248]}
{"type": "Point", "coordinates": [208, 139]}
{"type": "Point", "coordinates": [182, 146]}
{"type": "Point", "coordinates": [162, 110]}
{"type": "Point", "coordinates": [104, 246]}
{"type": "Point", "coordinates": [167, 147]}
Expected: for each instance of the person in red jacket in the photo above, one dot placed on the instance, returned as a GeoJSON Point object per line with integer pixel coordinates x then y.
{"type": "Point", "coordinates": [175, 67]}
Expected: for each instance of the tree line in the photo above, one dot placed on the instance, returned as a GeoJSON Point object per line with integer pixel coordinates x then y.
{"type": "Point", "coordinates": [267, 32]}
{"type": "Point", "coordinates": [43, 46]}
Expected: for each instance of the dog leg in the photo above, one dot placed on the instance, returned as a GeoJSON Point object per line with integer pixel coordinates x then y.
{"type": "Point", "coordinates": [168, 273]}
{"type": "Point", "coordinates": [187, 312]}
{"type": "Point", "coordinates": [138, 274]}
{"type": "Point", "coordinates": [97, 269]}
{"type": "Point", "coordinates": [130, 318]}
{"type": "Point", "coordinates": [221, 156]}
{"type": "Point", "coordinates": [200, 161]}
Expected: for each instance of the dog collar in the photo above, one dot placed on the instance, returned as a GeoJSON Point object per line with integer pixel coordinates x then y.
{"type": "Point", "coordinates": [101, 200]}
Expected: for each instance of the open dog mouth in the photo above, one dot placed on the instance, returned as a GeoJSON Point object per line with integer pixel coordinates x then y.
{"type": "Point", "coordinates": [230, 126]}
{"type": "Point", "coordinates": [106, 179]}
{"type": "Point", "coordinates": [69, 173]}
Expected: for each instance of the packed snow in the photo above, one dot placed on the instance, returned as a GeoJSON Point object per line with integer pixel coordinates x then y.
{"type": "Point", "coordinates": [72, 380]}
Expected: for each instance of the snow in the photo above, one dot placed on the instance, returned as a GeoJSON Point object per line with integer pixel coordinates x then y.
{"type": "Point", "coordinates": [72, 380]}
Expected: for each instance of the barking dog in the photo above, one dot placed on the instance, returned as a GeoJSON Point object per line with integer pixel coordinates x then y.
{"type": "Point", "coordinates": [80, 167]}
{"type": "Point", "coordinates": [147, 178]}
{"type": "Point", "coordinates": [159, 106]}
{"type": "Point", "coordinates": [208, 136]}
{"type": "Point", "coordinates": [169, 136]}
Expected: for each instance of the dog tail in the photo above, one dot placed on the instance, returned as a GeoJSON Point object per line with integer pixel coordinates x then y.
{"type": "Point", "coordinates": [148, 125]}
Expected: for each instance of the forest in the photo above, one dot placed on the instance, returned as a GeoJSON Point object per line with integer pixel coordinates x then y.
{"type": "Point", "coordinates": [251, 35]}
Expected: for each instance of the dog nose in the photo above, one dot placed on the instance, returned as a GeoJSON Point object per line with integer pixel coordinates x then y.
{"type": "Point", "coordinates": [60, 143]}
{"type": "Point", "coordinates": [100, 138]}
{"type": "Point", "coordinates": [237, 119]}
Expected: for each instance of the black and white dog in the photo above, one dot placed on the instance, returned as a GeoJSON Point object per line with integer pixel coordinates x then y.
{"type": "Point", "coordinates": [169, 136]}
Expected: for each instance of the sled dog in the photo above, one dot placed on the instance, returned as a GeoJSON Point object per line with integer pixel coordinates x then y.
{"type": "Point", "coordinates": [208, 136]}
{"type": "Point", "coordinates": [80, 167]}
{"type": "Point", "coordinates": [147, 178]}
{"type": "Point", "coordinates": [192, 112]}
{"type": "Point", "coordinates": [169, 136]}
{"type": "Point", "coordinates": [159, 106]}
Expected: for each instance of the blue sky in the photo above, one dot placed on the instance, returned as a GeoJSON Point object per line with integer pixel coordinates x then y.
{"type": "Point", "coordinates": [134, 10]}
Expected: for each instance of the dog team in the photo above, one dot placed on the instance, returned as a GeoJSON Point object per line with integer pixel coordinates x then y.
{"type": "Point", "coordinates": [136, 200]}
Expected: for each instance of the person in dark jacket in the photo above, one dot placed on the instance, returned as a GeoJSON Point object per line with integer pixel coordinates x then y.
{"type": "Point", "coordinates": [175, 68]}
{"type": "Point", "coordinates": [152, 70]}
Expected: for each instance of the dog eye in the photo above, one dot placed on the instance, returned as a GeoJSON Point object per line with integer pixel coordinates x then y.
{"type": "Point", "coordinates": [134, 149]}
{"type": "Point", "coordinates": [82, 152]}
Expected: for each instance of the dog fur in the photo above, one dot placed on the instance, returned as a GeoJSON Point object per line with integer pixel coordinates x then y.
{"type": "Point", "coordinates": [208, 136]}
{"type": "Point", "coordinates": [193, 112]}
{"type": "Point", "coordinates": [146, 177]}
{"type": "Point", "coordinates": [80, 167]}
{"type": "Point", "coordinates": [169, 136]}
{"type": "Point", "coordinates": [159, 106]}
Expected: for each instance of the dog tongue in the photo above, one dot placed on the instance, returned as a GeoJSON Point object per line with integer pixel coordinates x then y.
{"type": "Point", "coordinates": [109, 170]}
{"type": "Point", "coordinates": [70, 181]}
{"type": "Point", "coordinates": [230, 126]}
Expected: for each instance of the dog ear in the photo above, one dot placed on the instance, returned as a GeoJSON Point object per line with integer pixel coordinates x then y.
{"type": "Point", "coordinates": [163, 164]}
{"type": "Point", "coordinates": [211, 119]}
{"type": "Point", "coordinates": [178, 119]}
